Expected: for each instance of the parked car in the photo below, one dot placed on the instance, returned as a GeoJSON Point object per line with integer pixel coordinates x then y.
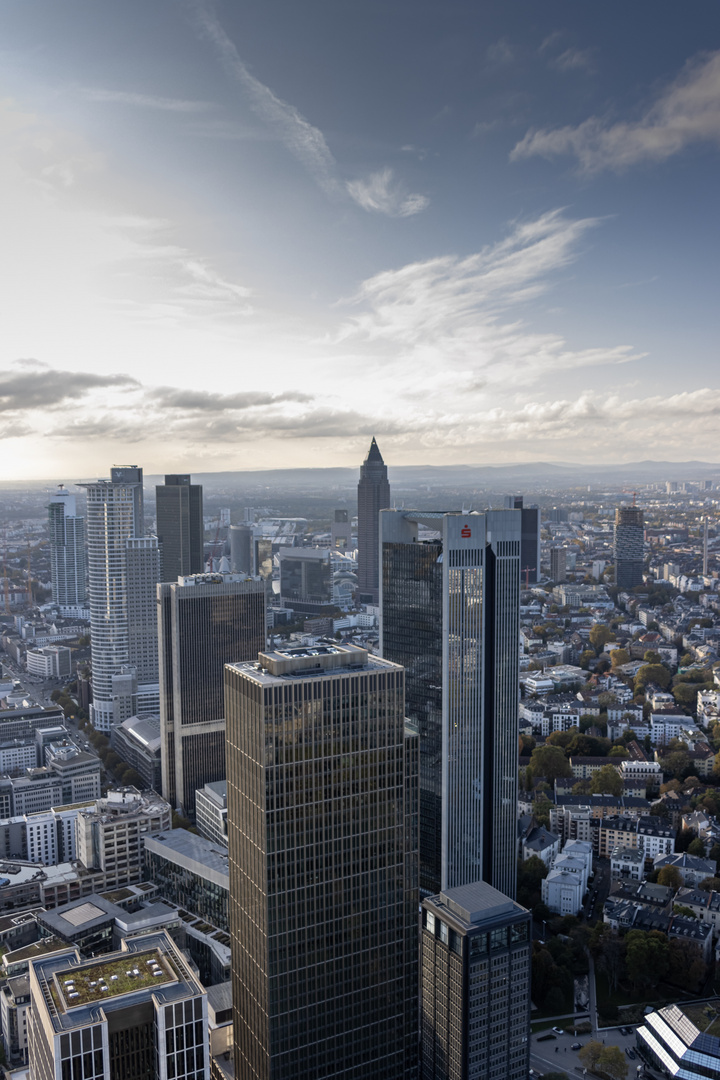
{"type": "Point", "coordinates": [559, 1031]}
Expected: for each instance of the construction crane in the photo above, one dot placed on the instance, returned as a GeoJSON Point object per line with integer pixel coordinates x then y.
{"type": "Point", "coordinates": [526, 570]}
{"type": "Point", "coordinates": [626, 491]}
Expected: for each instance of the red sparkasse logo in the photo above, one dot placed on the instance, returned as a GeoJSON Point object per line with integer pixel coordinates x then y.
{"type": "Point", "coordinates": [465, 532]}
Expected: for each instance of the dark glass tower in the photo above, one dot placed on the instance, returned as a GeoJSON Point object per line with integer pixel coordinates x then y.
{"type": "Point", "coordinates": [323, 891]}
{"type": "Point", "coordinates": [450, 615]}
{"type": "Point", "coordinates": [530, 539]}
{"type": "Point", "coordinates": [204, 622]}
{"type": "Point", "coordinates": [180, 526]}
{"type": "Point", "coordinates": [373, 496]}
{"type": "Point", "coordinates": [629, 548]}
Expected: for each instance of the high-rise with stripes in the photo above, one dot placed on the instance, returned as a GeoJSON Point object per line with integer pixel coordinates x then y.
{"type": "Point", "coordinates": [449, 598]}
{"type": "Point", "coordinates": [204, 621]}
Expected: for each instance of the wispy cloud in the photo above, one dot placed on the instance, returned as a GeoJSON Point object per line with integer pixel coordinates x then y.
{"type": "Point", "coordinates": [206, 401]}
{"type": "Point", "coordinates": [144, 101]}
{"type": "Point", "coordinates": [381, 193]}
{"type": "Point", "coordinates": [303, 140]}
{"type": "Point", "coordinates": [499, 54]}
{"type": "Point", "coordinates": [573, 60]}
{"type": "Point", "coordinates": [686, 113]}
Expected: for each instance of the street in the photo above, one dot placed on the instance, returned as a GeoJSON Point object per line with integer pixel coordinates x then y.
{"type": "Point", "coordinates": [554, 1055]}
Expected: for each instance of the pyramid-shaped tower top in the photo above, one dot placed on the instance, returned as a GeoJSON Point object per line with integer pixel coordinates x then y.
{"type": "Point", "coordinates": [373, 454]}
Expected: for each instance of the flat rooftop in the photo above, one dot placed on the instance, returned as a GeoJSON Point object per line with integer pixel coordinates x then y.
{"type": "Point", "coordinates": [310, 662]}
{"type": "Point", "coordinates": [103, 979]}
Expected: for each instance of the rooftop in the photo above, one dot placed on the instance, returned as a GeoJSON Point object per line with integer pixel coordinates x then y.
{"type": "Point", "coordinates": [474, 903]}
{"type": "Point", "coordinates": [202, 857]}
{"type": "Point", "coordinates": [111, 978]}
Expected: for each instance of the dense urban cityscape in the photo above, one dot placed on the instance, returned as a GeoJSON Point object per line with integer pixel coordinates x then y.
{"type": "Point", "coordinates": [364, 791]}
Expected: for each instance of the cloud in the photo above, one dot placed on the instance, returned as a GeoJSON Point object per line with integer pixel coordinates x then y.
{"type": "Point", "coordinates": [205, 401]}
{"type": "Point", "coordinates": [378, 194]}
{"type": "Point", "coordinates": [144, 101]}
{"type": "Point", "coordinates": [47, 388]}
{"type": "Point", "coordinates": [499, 54]}
{"type": "Point", "coordinates": [382, 194]}
{"type": "Point", "coordinates": [573, 60]}
{"type": "Point", "coordinates": [306, 142]}
{"type": "Point", "coordinates": [686, 113]}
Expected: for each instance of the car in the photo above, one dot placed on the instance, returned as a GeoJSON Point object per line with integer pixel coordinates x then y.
{"type": "Point", "coordinates": [559, 1031]}
{"type": "Point", "coordinates": [576, 1046]}
{"type": "Point", "coordinates": [631, 1054]}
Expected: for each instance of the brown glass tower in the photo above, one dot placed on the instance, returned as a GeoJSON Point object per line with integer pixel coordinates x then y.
{"type": "Point", "coordinates": [322, 835]}
{"type": "Point", "coordinates": [204, 622]}
{"type": "Point", "coordinates": [180, 526]}
{"type": "Point", "coordinates": [373, 496]}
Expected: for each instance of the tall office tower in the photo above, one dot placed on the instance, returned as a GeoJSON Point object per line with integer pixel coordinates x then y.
{"type": "Point", "coordinates": [475, 985]}
{"type": "Point", "coordinates": [558, 564]}
{"type": "Point", "coordinates": [242, 549]}
{"type": "Point", "coordinates": [323, 901]}
{"type": "Point", "coordinates": [530, 539]}
{"type": "Point", "coordinates": [341, 531]}
{"type": "Point", "coordinates": [180, 526]}
{"type": "Point", "coordinates": [373, 496]}
{"type": "Point", "coordinates": [203, 621]}
{"type": "Point", "coordinates": [628, 547]}
{"type": "Point", "coordinates": [67, 552]}
{"type": "Point", "coordinates": [450, 615]}
{"type": "Point", "coordinates": [128, 1015]}
{"type": "Point", "coordinates": [123, 570]}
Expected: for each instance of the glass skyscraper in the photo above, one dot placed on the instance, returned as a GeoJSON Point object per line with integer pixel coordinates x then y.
{"type": "Point", "coordinates": [204, 621]}
{"type": "Point", "coordinates": [373, 496]}
{"type": "Point", "coordinates": [629, 550]}
{"type": "Point", "coordinates": [449, 602]}
{"type": "Point", "coordinates": [180, 526]}
{"type": "Point", "coordinates": [323, 891]}
{"type": "Point", "coordinates": [67, 552]}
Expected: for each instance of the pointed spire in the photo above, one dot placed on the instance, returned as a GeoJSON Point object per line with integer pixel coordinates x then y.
{"type": "Point", "coordinates": [374, 454]}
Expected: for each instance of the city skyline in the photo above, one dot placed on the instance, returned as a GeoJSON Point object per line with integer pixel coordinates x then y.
{"type": "Point", "coordinates": [237, 239]}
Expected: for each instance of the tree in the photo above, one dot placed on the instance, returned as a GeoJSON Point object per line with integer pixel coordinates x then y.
{"type": "Point", "coordinates": [581, 788]}
{"type": "Point", "coordinates": [529, 881]}
{"type": "Point", "coordinates": [714, 853]}
{"type": "Point", "coordinates": [647, 957]}
{"type": "Point", "coordinates": [671, 877]}
{"type": "Point", "coordinates": [586, 658]}
{"type": "Point", "coordinates": [619, 752]}
{"type": "Point", "coordinates": [696, 847]}
{"type": "Point", "coordinates": [684, 839]}
{"type": "Point", "coordinates": [710, 884]}
{"type": "Point", "coordinates": [652, 657]}
{"type": "Point", "coordinates": [599, 636]}
{"type": "Point", "coordinates": [612, 1061]}
{"type": "Point", "coordinates": [652, 673]}
{"type": "Point", "coordinates": [606, 781]}
{"type": "Point", "coordinates": [677, 763]}
{"type": "Point", "coordinates": [550, 762]}
{"type": "Point", "coordinates": [590, 1053]}
{"type": "Point", "coordinates": [619, 657]}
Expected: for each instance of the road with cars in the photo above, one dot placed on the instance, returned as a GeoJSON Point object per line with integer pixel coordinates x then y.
{"type": "Point", "coordinates": [557, 1050]}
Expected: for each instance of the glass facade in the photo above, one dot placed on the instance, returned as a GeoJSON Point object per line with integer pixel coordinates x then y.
{"type": "Point", "coordinates": [180, 526]}
{"type": "Point", "coordinates": [204, 624]}
{"type": "Point", "coordinates": [450, 616]}
{"type": "Point", "coordinates": [373, 496]}
{"type": "Point", "coordinates": [629, 550]}
{"type": "Point", "coordinates": [323, 910]}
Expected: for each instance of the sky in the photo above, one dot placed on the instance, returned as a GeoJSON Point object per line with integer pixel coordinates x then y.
{"type": "Point", "coordinates": [242, 236]}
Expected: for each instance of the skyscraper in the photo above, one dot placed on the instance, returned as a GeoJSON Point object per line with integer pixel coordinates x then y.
{"type": "Point", "coordinates": [323, 899]}
{"type": "Point", "coordinates": [530, 538]}
{"type": "Point", "coordinates": [203, 622]}
{"type": "Point", "coordinates": [123, 569]}
{"type": "Point", "coordinates": [450, 616]}
{"type": "Point", "coordinates": [475, 985]}
{"type": "Point", "coordinates": [180, 526]}
{"type": "Point", "coordinates": [558, 564]}
{"type": "Point", "coordinates": [628, 547]}
{"type": "Point", "coordinates": [373, 496]}
{"type": "Point", "coordinates": [67, 552]}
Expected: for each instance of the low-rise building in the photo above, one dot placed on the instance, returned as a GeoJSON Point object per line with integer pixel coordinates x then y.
{"type": "Point", "coordinates": [676, 1046]}
{"type": "Point", "coordinates": [211, 811]}
{"type": "Point", "coordinates": [562, 891]}
{"type": "Point", "coordinates": [138, 742]}
{"type": "Point", "coordinates": [191, 872]}
{"type": "Point", "coordinates": [110, 834]}
{"type": "Point", "coordinates": [542, 843]}
{"type": "Point", "coordinates": [14, 1005]}
{"type": "Point", "coordinates": [691, 868]}
{"type": "Point", "coordinates": [627, 864]}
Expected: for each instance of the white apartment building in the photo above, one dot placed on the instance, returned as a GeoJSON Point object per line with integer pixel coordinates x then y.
{"type": "Point", "coordinates": [50, 662]}
{"type": "Point", "coordinates": [647, 772]}
{"type": "Point", "coordinates": [562, 892]}
{"type": "Point", "coordinates": [17, 756]}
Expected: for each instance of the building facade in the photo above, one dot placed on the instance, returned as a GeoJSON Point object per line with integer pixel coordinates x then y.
{"type": "Point", "coordinates": [373, 496]}
{"type": "Point", "coordinates": [450, 616]}
{"type": "Point", "coordinates": [475, 985]}
{"type": "Point", "coordinates": [110, 835]}
{"type": "Point", "coordinates": [204, 621]}
{"type": "Point", "coordinates": [323, 897]}
{"type": "Point", "coordinates": [67, 552]}
{"type": "Point", "coordinates": [115, 517]}
{"type": "Point", "coordinates": [628, 547]}
{"type": "Point", "coordinates": [179, 506]}
{"type": "Point", "coordinates": [139, 1012]}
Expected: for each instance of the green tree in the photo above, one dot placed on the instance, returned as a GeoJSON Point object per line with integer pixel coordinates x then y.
{"type": "Point", "coordinates": [590, 1053]}
{"type": "Point", "coordinates": [599, 636]}
{"type": "Point", "coordinates": [652, 673]}
{"type": "Point", "coordinates": [606, 781]}
{"type": "Point", "coordinates": [586, 658]}
{"type": "Point", "coordinates": [647, 957]}
{"type": "Point", "coordinates": [671, 877]}
{"type": "Point", "coordinates": [714, 853]}
{"type": "Point", "coordinates": [611, 1060]}
{"type": "Point", "coordinates": [619, 752]}
{"type": "Point", "coordinates": [550, 762]}
{"type": "Point", "coordinates": [529, 880]}
{"type": "Point", "coordinates": [652, 657]}
{"type": "Point", "coordinates": [618, 657]}
{"type": "Point", "coordinates": [697, 848]}
{"type": "Point", "coordinates": [710, 884]}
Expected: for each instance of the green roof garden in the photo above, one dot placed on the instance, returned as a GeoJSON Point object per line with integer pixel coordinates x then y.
{"type": "Point", "coordinates": [106, 979]}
